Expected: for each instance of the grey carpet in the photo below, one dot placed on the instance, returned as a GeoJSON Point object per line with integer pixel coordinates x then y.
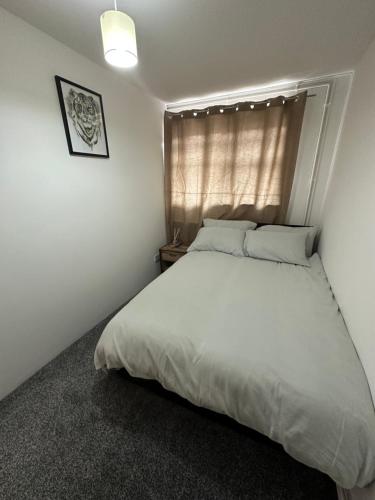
{"type": "Point", "coordinates": [72, 433]}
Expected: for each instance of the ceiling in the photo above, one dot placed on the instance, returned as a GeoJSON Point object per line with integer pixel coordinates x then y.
{"type": "Point", "coordinates": [189, 48]}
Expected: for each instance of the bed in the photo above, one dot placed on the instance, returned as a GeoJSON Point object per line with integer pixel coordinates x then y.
{"type": "Point", "coordinates": [260, 341]}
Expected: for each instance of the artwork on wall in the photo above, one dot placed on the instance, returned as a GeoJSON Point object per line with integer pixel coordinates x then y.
{"type": "Point", "coordinates": [83, 117]}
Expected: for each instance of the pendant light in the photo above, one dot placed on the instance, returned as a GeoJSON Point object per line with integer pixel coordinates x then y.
{"type": "Point", "coordinates": [119, 41]}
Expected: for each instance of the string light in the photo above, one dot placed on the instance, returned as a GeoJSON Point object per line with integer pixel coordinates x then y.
{"type": "Point", "coordinates": [235, 107]}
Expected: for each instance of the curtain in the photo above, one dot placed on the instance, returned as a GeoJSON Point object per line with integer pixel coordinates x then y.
{"type": "Point", "coordinates": [231, 162]}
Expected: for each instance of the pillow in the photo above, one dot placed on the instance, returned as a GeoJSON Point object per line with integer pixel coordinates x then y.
{"type": "Point", "coordinates": [219, 239]}
{"type": "Point", "coordinates": [310, 232]}
{"type": "Point", "coordinates": [244, 225]}
{"type": "Point", "coordinates": [289, 247]}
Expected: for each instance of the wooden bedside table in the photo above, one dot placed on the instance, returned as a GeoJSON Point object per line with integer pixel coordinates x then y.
{"type": "Point", "coordinates": [170, 254]}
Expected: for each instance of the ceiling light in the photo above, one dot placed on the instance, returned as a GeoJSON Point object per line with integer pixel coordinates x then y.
{"type": "Point", "coordinates": [119, 41]}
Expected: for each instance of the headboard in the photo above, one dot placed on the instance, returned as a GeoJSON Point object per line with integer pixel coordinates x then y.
{"type": "Point", "coordinates": [260, 224]}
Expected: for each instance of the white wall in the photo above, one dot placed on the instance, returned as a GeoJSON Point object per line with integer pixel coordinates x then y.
{"type": "Point", "coordinates": [348, 240]}
{"type": "Point", "coordinates": [77, 235]}
{"type": "Point", "coordinates": [332, 122]}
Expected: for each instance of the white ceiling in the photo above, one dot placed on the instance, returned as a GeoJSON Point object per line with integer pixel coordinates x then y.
{"type": "Point", "coordinates": [194, 47]}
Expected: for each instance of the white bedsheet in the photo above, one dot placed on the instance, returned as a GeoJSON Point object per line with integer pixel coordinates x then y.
{"type": "Point", "coordinates": [260, 341]}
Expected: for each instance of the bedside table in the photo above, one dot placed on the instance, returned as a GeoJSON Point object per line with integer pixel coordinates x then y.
{"type": "Point", "coordinates": [170, 254]}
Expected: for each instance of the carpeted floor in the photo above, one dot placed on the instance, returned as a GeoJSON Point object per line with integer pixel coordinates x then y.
{"type": "Point", "coordinates": [72, 433]}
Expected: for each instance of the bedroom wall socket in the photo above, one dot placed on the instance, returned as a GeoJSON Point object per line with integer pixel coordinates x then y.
{"type": "Point", "coordinates": [156, 257]}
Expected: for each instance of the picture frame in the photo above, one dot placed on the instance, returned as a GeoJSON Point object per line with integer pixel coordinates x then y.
{"type": "Point", "coordinates": [83, 118]}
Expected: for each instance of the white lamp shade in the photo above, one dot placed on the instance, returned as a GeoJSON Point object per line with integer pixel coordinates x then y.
{"type": "Point", "coordinates": [119, 41]}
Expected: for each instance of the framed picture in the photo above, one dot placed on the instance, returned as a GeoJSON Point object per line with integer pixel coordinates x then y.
{"type": "Point", "coordinates": [83, 117]}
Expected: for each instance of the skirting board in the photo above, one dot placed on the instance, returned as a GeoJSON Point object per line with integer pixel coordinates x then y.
{"type": "Point", "coordinates": [357, 493]}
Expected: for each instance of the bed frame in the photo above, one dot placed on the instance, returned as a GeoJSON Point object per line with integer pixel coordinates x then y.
{"type": "Point", "coordinates": [367, 493]}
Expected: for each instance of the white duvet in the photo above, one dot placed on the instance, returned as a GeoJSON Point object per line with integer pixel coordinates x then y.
{"type": "Point", "coordinates": [260, 341]}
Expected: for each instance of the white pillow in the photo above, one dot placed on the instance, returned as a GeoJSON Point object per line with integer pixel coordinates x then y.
{"type": "Point", "coordinates": [219, 239]}
{"type": "Point", "coordinates": [310, 233]}
{"type": "Point", "coordinates": [244, 225]}
{"type": "Point", "coordinates": [278, 246]}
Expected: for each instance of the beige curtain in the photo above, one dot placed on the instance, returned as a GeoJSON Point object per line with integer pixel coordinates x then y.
{"type": "Point", "coordinates": [229, 162]}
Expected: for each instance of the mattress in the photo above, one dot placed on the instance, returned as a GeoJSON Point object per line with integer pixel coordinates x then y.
{"type": "Point", "coordinates": [260, 341]}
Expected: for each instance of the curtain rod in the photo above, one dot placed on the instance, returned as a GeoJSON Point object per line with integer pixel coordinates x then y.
{"type": "Point", "coordinates": [191, 105]}
{"type": "Point", "coordinates": [248, 96]}
{"type": "Point", "coordinates": [235, 105]}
